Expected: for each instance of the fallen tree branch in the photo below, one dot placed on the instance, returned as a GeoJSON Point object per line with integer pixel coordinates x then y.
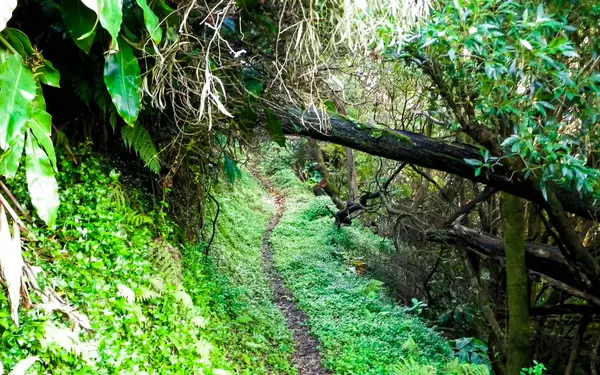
{"type": "Point", "coordinates": [557, 284]}
{"type": "Point", "coordinates": [427, 152]}
{"type": "Point", "coordinates": [542, 261]}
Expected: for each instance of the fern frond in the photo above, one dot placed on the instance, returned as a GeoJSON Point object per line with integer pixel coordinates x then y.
{"type": "Point", "coordinates": [182, 297]}
{"type": "Point", "coordinates": [167, 261]}
{"type": "Point", "coordinates": [83, 89]}
{"type": "Point", "coordinates": [136, 219]}
{"type": "Point", "coordinates": [144, 294]}
{"type": "Point", "coordinates": [411, 367]}
{"type": "Point", "coordinates": [118, 196]}
{"type": "Point", "coordinates": [456, 368]}
{"type": "Point", "coordinates": [138, 139]}
{"type": "Point", "coordinates": [158, 284]}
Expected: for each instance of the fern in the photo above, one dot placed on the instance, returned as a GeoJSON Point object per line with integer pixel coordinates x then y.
{"type": "Point", "coordinates": [167, 261]}
{"type": "Point", "coordinates": [456, 368]}
{"type": "Point", "coordinates": [184, 299]}
{"type": "Point", "coordinates": [136, 219]}
{"type": "Point", "coordinates": [118, 196]}
{"type": "Point", "coordinates": [138, 139]}
{"type": "Point", "coordinates": [144, 294]}
{"type": "Point", "coordinates": [158, 284]}
{"type": "Point", "coordinates": [83, 89]}
{"type": "Point", "coordinates": [412, 367]}
{"type": "Point", "coordinates": [156, 289]}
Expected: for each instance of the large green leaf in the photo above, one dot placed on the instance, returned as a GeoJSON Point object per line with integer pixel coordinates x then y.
{"type": "Point", "coordinates": [18, 40]}
{"type": "Point", "coordinates": [80, 21]}
{"type": "Point", "coordinates": [151, 21]}
{"type": "Point", "coordinates": [232, 171]}
{"type": "Point", "coordinates": [124, 82]}
{"type": "Point", "coordinates": [17, 90]}
{"type": "Point", "coordinates": [41, 182]}
{"type": "Point", "coordinates": [110, 14]}
{"type": "Point", "coordinates": [254, 86]}
{"type": "Point", "coordinates": [48, 74]}
{"type": "Point", "coordinates": [40, 125]}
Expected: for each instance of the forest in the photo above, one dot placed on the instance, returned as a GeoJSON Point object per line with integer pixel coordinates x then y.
{"type": "Point", "coordinates": [300, 187]}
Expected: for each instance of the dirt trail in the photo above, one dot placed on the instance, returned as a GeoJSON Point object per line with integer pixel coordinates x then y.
{"type": "Point", "coordinates": [306, 358]}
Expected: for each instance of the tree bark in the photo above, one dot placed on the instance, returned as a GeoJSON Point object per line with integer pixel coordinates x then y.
{"type": "Point", "coordinates": [519, 335]}
{"type": "Point", "coordinates": [328, 186]}
{"type": "Point", "coordinates": [542, 261]}
{"type": "Point", "coordinates": [594, 360]}
{"type": "Point", "coordinates": [482, 196]}
{"type": "Point", "coordinates": [484, 306]}
{"type": "Point", "coordinates": [585, 320]}
{"type": "Point", "coordinates": [352, 187]}
{"type": "Point", "coordinates": [533, 223]}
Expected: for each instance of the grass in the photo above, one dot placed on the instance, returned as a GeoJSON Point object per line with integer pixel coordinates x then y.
{"type": "Point", "coordinates": [361, 330]}
{"type": "Point", "coordinates": [261, 343]}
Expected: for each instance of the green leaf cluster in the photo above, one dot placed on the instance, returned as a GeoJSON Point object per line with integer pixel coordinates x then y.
{"type": "Point", "coordinates": [526, 70]}
{"type": "Point", "coordinates": [25, 126]}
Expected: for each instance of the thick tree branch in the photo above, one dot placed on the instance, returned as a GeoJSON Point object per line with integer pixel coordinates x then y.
{"type": "Point", "coordinates": [428, 153]}
{"type": "Point", "coordinates": [450, 157]}
{"type": "Point", "coordinates": [541, 260]}
{"type": "Point", "coordinates": [484, 195]}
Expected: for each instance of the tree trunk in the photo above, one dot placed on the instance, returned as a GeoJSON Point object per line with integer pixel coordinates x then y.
{"type": "Point", "coordinates": [519, 336]}
{"type": "Point", "coordinates": [594, 360]}
{"type": "Point", "coordinates": [585, 320]}
{"type": "Point", "coordinates": [352, 187]}
{"type": "Point", "coordinates": [484, 305]}
{"type": "Point", "coordinates": [327, 185]}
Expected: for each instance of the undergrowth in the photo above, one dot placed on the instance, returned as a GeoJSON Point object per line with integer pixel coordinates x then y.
{"type": "Point", "coordinates": [261, 343]}
{"type": "Point", "coordinates": [155, 306]}
{"type": "Point", "coordinates": [361, 330]}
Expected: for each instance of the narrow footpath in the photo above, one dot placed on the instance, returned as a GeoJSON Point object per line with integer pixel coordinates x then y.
{"type": "Point", "coordinates": [306, 358]}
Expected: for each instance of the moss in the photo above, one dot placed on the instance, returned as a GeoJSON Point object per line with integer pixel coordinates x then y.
{"type": "Point", "coordinates": [519, 336]}
{"type": "Point", "coordinates": [401, 137]}
{"type": "Point", "coordinates": [377, 131]}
